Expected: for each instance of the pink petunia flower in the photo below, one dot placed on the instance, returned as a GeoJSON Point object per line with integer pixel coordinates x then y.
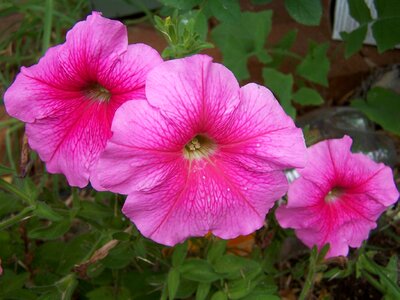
{"type": "Point", "coordinates": [203, 155]}
{"type": "Point", "coordinates": [69, 98]}
{"type": "Point", "coordinates": [338, 197]}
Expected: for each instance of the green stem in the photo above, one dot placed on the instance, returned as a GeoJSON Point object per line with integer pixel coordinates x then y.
{"type": "Point", "coordinates": [373, 282]}
{"type": "Point", "coordinates": [48, 19]}
{"type": "Point", "coordinates": [308, 284]}
{"type": "Point", "coordinates": [24, 214]}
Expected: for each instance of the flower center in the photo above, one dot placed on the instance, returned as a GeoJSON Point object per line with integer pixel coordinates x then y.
{"type": "Point", "coordinates": [200, 146]}
{"type": "Point", "coordinates": [333, 195]}
{"type": "Point", "coordinates": [97, 92]}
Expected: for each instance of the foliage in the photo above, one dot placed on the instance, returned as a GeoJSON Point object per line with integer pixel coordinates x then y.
{"type": "Point", "coordinates": [58, 242]}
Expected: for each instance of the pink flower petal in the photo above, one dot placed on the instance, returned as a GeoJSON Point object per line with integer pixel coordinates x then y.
{"type": "Point", "coordinates": [216, 196]}
{"type": "Point", "coordinates": [67, 126]}
{"type": "Point", "coordinates": [229, 188]}
{"type": "Point", "coordinates": [199, 99]}
{"type": "Point", "coordinates": [260, 130]}
{"type": "Point", "coordinates": [338, 197]}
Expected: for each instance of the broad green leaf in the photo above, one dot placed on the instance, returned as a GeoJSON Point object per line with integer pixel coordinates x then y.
{"type": "Point", "coordinates": [307, 12]}
{"type": "Point", "coordinates": [386, 29]}
{"type": "Point", "coordinates": [198, 270]}
{"type": "Point", "coordinates": [387, 8]}
{"type": "Point", "coordinates": [173, 279]}
{"type": "Point", "coordinates": [281, 84]}
{"type": "Point", "coordinates": [51, 232]}
{"type": "Point", "coordinates": [354, 40]}
{"type": "Point", "coordinates": [315, 66]}
{"type": "Point", "coordinates": [202, 290]}
{"type": "Point", "coordinates": [179, 254]}
{"type": "Point", "coordinates": [359, 10]}
{"type": "Point", "coordinates": [242, 39]}
{"type": "Point", "coordinates": [181, 4]}
{"type": "Point", "coordinates": [307, 96]}
{"type": "Point", "coordinates": [263, 56]}
{"type": "Point", "coordinates": [383, 107]}
{"type": "Point", "coordinates": [386, 33]}
{"type": "Point", "coordinates": [220, 295]}
{"type": "Point", "coordinates": [282, 48]}
{"type": "Point", "coordinates": [225, 10]}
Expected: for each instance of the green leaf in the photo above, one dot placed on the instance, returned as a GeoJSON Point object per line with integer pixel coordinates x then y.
{"type": "Point", "coordinates": [202, 290]}
{"type": "Point", "coordinates": [359, 10]}
{"type": "Point", "coordinates": [181, 4]}
{"type": "Point", "coordinates": [121, 236]}
{"type": "Point", "coordinates": [233, 267]}
{"type": "Point", "coordinates": [173, 282]}
{"type": "Point", "coordinates": [66, 286]}
{"type": "Point", "coordinates": [51, 232]}
{"type": "Point", "coordinates": [315, 66]}
{"type": "Point", "coordinates": [119, 257]}
{"type": "Point", "coordinates": [198, 270]}
{"type": "Point", "coordinates": [239, 289]}
{"type": "Point", "coordinates": [216, 250]}
{"type": "Point", "coordinates": [386, 33]}
{"type": "Point", "coordinates": [281, 84]}
{"type": "Point", "coordinates": [354, 40]}
{"type": "Point", "coordinates": [10, 282]}
{"type": "Point", "coordinates": [387, 8]}
{"type": "Point", "coordinates": [307, 96]}
{"type": "Point", "coordinates": [383, 107]}
{"type": "Point", "coordinates": [179, 255]}
{"type": "Point", "coordinates": [307, 12]}
{"type": "Point", "coordinates": [46, 212]}
{"type": "Point", "coordinates": [220, 295]}
{"type": "Point", "coordinates": [108, 292]}
{"type": "Point", "coordinates": [261, 296]}
{"type": "Point", "coordinates": [282, 47]}
{"type": "Point", "coordinates": [242, 39]}
{"type": "Point", "coordinates": [225, 10]}
{"type": "Point", "coordinates": [186, 289]}
{"type": "Point", "coordinates": [386, 29]}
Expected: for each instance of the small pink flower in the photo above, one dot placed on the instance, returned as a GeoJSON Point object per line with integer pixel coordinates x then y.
{"type": "Point", "coordinates": [338, 197]}
{"type": "Point", "coordinates": [69, 98]}
{"type": "Point", "coordinates": [203, 155]}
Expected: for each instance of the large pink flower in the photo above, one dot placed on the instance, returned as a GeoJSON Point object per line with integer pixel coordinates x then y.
{"type": "Point", "coordinates": [204, 155]}
{"type": "Point", "coordinates": [69, 98]}
{"type": "Point", "coordinates": [338, 197]}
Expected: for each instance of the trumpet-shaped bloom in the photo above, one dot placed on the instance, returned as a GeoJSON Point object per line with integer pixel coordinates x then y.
{"type": "Point", "coordinates": [69, 98]}
{"type": "Point", "coordinates": [201, 155]}
{"type": "Point", "coordinates": [338, 197]}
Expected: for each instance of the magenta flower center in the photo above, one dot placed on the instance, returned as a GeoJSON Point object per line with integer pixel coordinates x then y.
{"type": "Point", "coordinates": [199, 147]}
{"type": "Point", "coordinates": [97, 92]}
{"type": "Point", "coordinates": [334, 194]}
